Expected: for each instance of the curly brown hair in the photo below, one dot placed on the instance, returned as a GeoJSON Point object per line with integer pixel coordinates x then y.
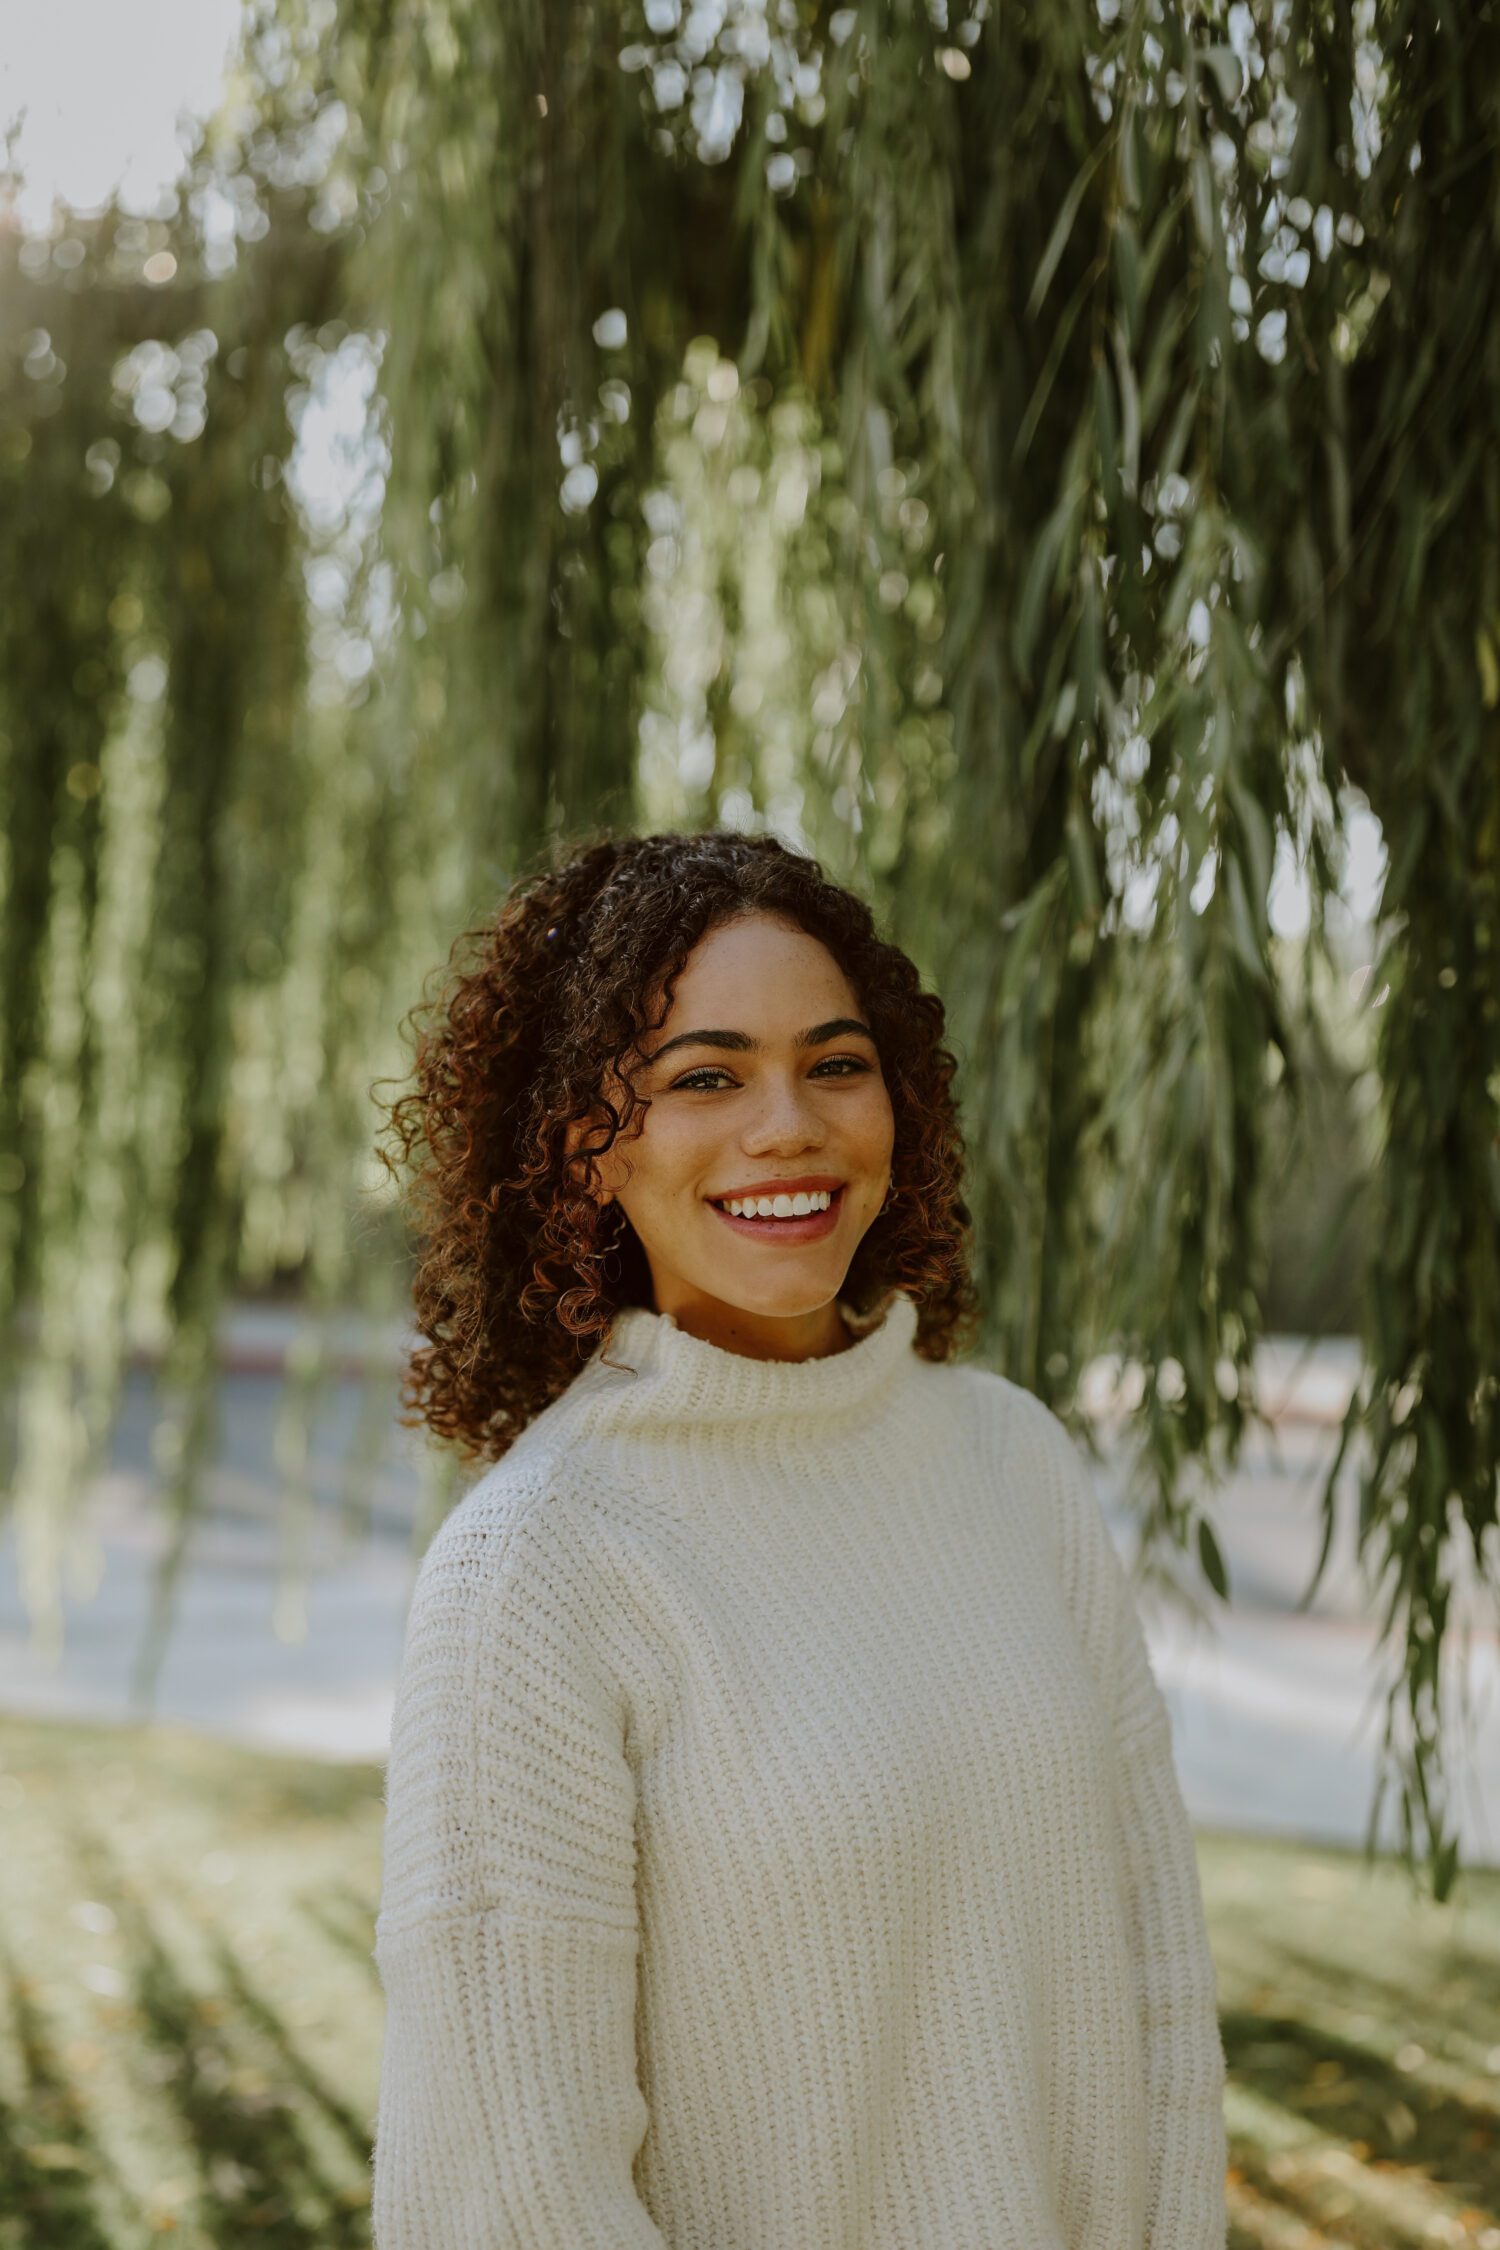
{"type": "Point", "coordinates": [520, 1269]}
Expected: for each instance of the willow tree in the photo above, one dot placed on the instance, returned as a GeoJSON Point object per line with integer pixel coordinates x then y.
{"type": "Point", "coordinates": [1044, 458]}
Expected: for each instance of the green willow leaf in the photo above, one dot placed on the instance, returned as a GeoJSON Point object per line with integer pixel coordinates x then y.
{"type": "Point", "coordinates": [1213, 1560]}
{"type": "Point", "coordinates": [1062, 228]}
{"type": "Point", "coordinates": [1130, 413]}
{"type": "Point", "coordinates": [1048, 559]}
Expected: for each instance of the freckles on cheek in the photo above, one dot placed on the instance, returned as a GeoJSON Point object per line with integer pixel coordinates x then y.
{"type": "Point", "coordinates": [673, 1152]}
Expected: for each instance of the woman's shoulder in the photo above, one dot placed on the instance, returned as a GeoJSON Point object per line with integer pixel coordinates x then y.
{"type": "Point", "coordinates": [517, 1511]}
{"type": "Point", "coordinates": [1006, 1405]}
{"type": "Point", "coordinates": [1029, 1449]}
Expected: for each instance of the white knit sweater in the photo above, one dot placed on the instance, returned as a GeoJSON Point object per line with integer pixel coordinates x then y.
{"type": "Point", "coordinates": [783, 1846]}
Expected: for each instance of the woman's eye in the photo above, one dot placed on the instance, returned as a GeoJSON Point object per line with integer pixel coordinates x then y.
{"type": "Point", "coordinates": [704, 1081]}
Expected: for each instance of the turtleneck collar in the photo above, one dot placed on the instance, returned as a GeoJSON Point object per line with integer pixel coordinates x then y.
{"type": "Point", "coordinates": [653, 1374]}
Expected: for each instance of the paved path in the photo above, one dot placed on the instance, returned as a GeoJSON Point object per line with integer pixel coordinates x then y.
{"type": "Point", "coordinates": [1277, 1716]}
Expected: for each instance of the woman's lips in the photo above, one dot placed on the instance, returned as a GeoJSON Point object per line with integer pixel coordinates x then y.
{"type": "Point", "coordinates": [811, 1228]}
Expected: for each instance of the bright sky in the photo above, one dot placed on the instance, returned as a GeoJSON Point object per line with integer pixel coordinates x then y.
{"type": "Point", "coordinates": [102, 84]}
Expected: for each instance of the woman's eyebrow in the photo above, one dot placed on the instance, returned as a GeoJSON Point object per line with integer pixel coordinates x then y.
{"type": "Point", "coordinates": [838, 1027]}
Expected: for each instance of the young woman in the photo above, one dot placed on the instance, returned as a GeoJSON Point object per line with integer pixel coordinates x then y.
{"type": "Point", "coordinates": [783, 1845]}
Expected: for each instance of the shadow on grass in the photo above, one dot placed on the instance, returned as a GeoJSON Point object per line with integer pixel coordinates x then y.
{"type": "Point", "coordinates": [256, 2012]}
{"type": "Point", "coordinates": [257, 2146]}
{"type": "Point", "coordinates": [1346, 2093]}
{"type": "Point", "coordinates": [1466, 1993]}
{"type": "Point", "coordinates": [51, 2166]}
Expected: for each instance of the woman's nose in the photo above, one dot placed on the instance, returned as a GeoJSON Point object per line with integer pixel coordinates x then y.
{"type": "Point", "coordinates": [787, 1114]}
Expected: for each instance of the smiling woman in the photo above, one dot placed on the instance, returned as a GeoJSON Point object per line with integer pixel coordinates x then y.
{"type": "Point", "coordinates": [783, 1846]}
{"type": "Point", "coordinates": [651, 1029]}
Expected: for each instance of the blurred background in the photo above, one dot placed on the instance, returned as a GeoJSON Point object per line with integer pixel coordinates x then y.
{"type": "Point", "coordinates": [1042, 461]}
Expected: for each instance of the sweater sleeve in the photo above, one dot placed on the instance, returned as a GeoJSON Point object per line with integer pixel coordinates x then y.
{"type": "Point", "coordinates": [509, 2111]}
{"type": "Point", "coordinates": [1187, 2158]}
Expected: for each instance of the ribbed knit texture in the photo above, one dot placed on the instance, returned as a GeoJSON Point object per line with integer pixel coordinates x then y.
{"type": "Point", "coordinates": [783, 1845]}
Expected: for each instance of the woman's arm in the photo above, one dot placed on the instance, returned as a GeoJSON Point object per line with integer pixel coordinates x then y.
{"type": "Point", "coordinates": [510, 2110]}
{"type": "Point", "coordinates": [1187, 2156]}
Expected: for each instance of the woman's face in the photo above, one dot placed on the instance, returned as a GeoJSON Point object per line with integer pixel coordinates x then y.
{"type": "Point", "coordinates": [763, 1082]}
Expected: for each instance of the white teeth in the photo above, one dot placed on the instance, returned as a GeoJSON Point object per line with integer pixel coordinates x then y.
{"type": "Point", "coordinates": [798, 1206]}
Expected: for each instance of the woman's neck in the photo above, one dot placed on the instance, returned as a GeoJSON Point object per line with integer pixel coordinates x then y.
{"type": "Point", "coordinates": [817, 1334]}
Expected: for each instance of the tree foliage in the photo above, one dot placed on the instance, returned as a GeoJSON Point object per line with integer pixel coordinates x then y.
{"type": "Point", "coordinates": [1043, 458]}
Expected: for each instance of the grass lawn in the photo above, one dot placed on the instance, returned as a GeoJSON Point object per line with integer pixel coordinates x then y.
{"type": "Point", "coordinates": [190, 2037]}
